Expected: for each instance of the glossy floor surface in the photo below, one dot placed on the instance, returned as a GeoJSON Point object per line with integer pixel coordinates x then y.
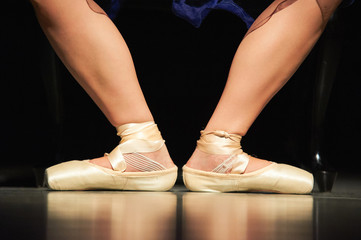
{"type": "Point", "coordinates": [36, 213]}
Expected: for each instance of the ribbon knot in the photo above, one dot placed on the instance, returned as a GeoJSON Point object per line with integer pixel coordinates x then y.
{"type": "Point", "coordinates": [219, 142]}
{"type": "Point", "coordinates": [222, 134]}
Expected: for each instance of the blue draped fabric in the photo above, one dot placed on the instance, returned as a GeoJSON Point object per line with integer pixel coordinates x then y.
{"type": "Point", "coordinates": [196, 11]}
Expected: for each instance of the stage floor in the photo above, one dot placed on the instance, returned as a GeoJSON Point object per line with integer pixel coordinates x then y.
{"type": "Point", "coordinates": [36, 213]}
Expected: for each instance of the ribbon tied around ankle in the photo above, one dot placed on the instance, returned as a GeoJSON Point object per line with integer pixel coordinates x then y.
{"type": "Point", "coordinates": [219, 142]}
{"type": "Point", "coordinates": [223, 143]}
{"type": "Point", "coordinates": [135, 138]}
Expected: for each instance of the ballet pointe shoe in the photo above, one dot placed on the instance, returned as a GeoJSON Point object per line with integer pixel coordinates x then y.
{"type": "Point", "coordinates": [229, 176]}
{"type": "Point", "coordinates": [136, 138]}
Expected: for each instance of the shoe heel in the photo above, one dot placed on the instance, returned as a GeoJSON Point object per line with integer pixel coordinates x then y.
{"type": "Point", "coordinates": [200, 183]}
{"type": "Point", "coordinates": [153, 182]}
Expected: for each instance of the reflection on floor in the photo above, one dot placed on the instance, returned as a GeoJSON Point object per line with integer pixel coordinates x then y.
{"type": "Point", "coordinates": [30, 213]}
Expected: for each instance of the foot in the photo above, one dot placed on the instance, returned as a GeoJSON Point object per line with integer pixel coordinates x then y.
{"type": "Point", "coordinates": [161, 156]}
{"type": "Point", "coordinates": [141, 150]}
{"type": "Point", "coordinates": [219, 153]}
{"type": "Point", "coordinates": [207, 162]}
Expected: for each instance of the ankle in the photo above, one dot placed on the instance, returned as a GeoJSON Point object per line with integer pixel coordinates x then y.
{"type": "Point", "coordinates": [221, 152]}
{"type": "Point", "coordinates": [141, 148]}
{"type": "Point", "coordinates": [209, 162]}
{"type": "Point", "coordinates": [161, 156]}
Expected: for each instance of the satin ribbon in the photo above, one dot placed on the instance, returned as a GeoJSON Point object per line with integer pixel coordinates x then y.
{"type": "Point", "coordinates": [223, 143]}
{"type": "Point", "coordinates": [135, 137]}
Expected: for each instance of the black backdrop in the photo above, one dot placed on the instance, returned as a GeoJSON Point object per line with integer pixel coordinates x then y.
{"type": "Point", "coordinates": [182, 71]}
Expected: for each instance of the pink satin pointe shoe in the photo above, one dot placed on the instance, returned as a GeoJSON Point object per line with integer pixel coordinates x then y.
{"type": "Point", "coordinates": [136, 138]}
{"type": "Point", "coordinates": [229, 176]}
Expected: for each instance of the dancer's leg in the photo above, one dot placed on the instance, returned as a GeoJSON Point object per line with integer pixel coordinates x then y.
{"type": "Point", "coordinates": [95, 53]}
{"type": "Point", "coordinates": [265, 60]}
